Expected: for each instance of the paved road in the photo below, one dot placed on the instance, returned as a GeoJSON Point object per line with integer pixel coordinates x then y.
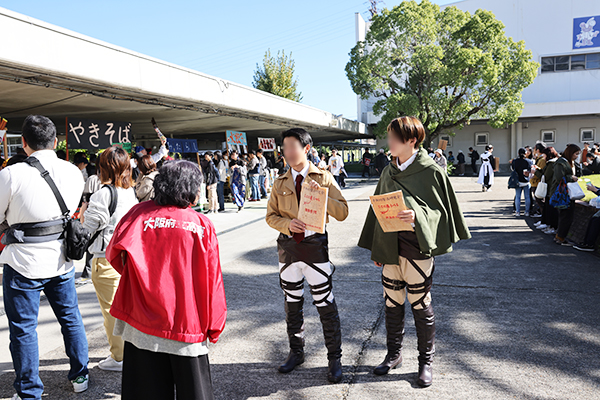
{"type": "Point", "coordinates": [517, 316]}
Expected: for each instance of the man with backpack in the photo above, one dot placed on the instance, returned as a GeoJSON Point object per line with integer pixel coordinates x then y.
{"type": "Point", "coordinates": [35, 259]}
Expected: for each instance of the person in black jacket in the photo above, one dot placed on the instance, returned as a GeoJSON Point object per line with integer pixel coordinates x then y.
{"type": "Point", "coordinates": [474, 154]}
{"type": "Point", "coordinates": [593, 164]}
{"type": "Point", "coordinates": [381, 161]}
{"type": "Point", "coordinates": [522, 165]}
{"type": "Point", "coordinates": [461, 163]}
{"type": "Point", "coordinates": [211, 177]}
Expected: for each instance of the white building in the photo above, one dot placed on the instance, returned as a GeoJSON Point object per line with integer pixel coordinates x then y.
{"type": "Point", "coordinates": [563, 104]}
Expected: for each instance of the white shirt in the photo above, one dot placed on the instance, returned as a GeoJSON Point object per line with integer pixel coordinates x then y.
{"type": "Point", "coordinates": [406, 163]}
{"type": "Point", "coordinates": [26, 197]}
{"type": "Point", "coordinates": [303, 173]}
{"type": "Point", "coordinates": [336, 164]}
{"type": "Point", "coordinates": [156, 157]}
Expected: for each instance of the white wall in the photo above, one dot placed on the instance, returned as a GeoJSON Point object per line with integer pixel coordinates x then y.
{"type": "Point", "coordinates": [546, 26]}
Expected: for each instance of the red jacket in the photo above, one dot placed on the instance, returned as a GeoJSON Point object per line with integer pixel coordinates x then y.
{"type": "Point", "coordinates": [171, 283]}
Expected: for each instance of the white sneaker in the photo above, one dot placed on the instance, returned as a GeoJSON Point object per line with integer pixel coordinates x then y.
{"type": "Point", "coordinates": [527, 214]}
{"type": "Point", "coordinates": [15, 397]}
{"type": "Point", "coordinates": [109, 364]}
{"type": "Point", "coordinates": [537, 223]}
{"type": "Point", "coordinates": [80, 384]}
{"type": "Point", "coordinates": [541, 226]}
{"type": "Point", "coordinates": [550, 231]}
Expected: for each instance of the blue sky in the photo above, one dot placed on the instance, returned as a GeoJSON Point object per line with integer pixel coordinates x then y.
{"type": "Point", "coordinates": [226, 38]}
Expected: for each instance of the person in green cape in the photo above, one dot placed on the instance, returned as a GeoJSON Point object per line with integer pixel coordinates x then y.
{"type": "Point", "coordinates": [407, 257]}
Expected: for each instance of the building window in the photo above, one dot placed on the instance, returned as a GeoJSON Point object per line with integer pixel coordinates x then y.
{"type": "Point", "coordinates": [576, 62]}
{"type": "Point", "coordinates": [592, 61]}
{"type": "Point", "coordinates": [548, 136]}
{"type": "Point", "coordinates": [588, 134]}
{"type": "Point", "coordinates": [481, 139]}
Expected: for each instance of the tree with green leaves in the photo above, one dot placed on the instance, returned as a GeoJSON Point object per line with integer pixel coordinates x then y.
{"type": "Point", "coordinates": [446, 67]}
{"type": "Point", "coordinates": [276, 76]}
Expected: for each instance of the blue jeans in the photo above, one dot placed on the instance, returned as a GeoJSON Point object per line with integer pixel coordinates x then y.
{"type": "Point", "coordinates": [221, 194]}
{"type": "Point", "coordinates": [526, 191]}
{"type": "Point", "coordinates": [255, 194]}
{"type": "Point", "coordinates": [261, 183]}
{"type": "Point", "coordinates": [22, 304]}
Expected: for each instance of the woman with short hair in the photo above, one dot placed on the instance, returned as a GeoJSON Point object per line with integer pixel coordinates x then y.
{"type": "Point", "coordinates": [171, 299]}
{"type": "Point", "coordinates": [106, 208]}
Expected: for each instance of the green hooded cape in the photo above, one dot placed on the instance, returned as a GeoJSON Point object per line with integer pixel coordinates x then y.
{"type": "Point", "coordinates": [438, 219]}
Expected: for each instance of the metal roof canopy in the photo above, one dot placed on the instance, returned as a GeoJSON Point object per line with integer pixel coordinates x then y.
{"type": "Point", "coordinates": [55, 72]}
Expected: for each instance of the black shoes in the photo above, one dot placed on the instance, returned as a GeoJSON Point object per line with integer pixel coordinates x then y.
{"type": "Point", "coordinates": [294, 358]}
{"type": "Point", "coordinates": [334, 373]}
{"type": "Point", "coordinates": [394, 324]}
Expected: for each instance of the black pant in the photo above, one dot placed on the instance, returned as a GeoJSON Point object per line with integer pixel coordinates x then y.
{"type": "Point", "coordinates": [550, 214]}
{"type": "Point", "coordinates": [87, 269]}
{"type": "Point", "coordinates": [474, 166]}
{"type": "Point", "coordinates": [366, 170]}
{"type": "Point", "coordinates": [593, 230]}
{"type": "Point", "coordinates": [565, 219]}
{"type": "Point", "coordinates": [149, 375]}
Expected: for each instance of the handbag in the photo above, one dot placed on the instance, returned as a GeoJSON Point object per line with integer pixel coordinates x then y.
{"type": "Point", "coordinates": [560, 198]}
{"type": "Point", "coordinates": [542, 189]}
{"type": "Point", "coordinates": [575, 191]}
{"type": "Point", "coordinates": [77, 238]}
{"type": "Point", "coordinates": [513, 181]}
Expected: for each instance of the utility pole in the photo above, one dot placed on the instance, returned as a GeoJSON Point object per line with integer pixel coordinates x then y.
{"type": "Point", "coordinates": [373, 7]}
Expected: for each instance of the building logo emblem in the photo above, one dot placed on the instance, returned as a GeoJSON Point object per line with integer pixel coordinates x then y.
{"type": "Point", "coordinates": [585, 33]}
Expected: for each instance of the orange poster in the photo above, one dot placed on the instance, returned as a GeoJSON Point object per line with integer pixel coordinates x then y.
{"type": "Point", "coordinates": [313, 207]}
{"type": "Point", "coordinates": [386, 208]}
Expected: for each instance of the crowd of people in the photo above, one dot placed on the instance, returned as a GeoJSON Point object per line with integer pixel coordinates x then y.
{"type": "Point", "coordinates": [542, 177]}
{"type": "Point", "coordinates": [124, 208]}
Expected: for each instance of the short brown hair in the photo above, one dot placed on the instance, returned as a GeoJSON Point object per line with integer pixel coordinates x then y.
{"type": "Point", "coordinates": [146, 165]}
{"type": "Point", "coordinates": [115, 167]}
{"type": "Point", "coordinates": [406, 128]}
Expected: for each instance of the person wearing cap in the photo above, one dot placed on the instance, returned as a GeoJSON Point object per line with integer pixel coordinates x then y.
{"type": "Point", "coordinates": [140, 151]}
{"type": "Point", "coordinates": [440, 159]}
{"type": "Point", "coordinates": [486, 173]}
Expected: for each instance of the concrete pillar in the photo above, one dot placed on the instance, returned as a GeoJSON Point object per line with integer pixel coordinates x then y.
{"type": "Point", "coordinates": [513, 141]}
{"type": "Point", "coordinates": [519, 136]}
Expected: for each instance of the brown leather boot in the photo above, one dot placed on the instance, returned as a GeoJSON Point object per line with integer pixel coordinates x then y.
{"type": "Point", "coordinates": [394, 325]}
{"type": "Point", "coordinates": [294, 317]}
{"type": "Point", "coordinates": [425, 325]}
{"type": "Point", "coordinates": [332, 333]}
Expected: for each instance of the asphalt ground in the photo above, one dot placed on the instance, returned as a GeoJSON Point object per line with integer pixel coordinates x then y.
{"type": "Point", "coordinates": [517, 316]}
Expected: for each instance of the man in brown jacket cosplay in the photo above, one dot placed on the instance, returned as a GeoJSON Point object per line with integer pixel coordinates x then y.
{"type": "Point", "coordinates": [303, 254]}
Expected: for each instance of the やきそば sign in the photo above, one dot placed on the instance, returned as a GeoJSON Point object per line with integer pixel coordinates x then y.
{"type": "Point", "coordinates": [94, 134]}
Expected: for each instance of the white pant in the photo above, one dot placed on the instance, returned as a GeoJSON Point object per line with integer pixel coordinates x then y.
{"type": "Point", "coordinates": [296, 272]}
